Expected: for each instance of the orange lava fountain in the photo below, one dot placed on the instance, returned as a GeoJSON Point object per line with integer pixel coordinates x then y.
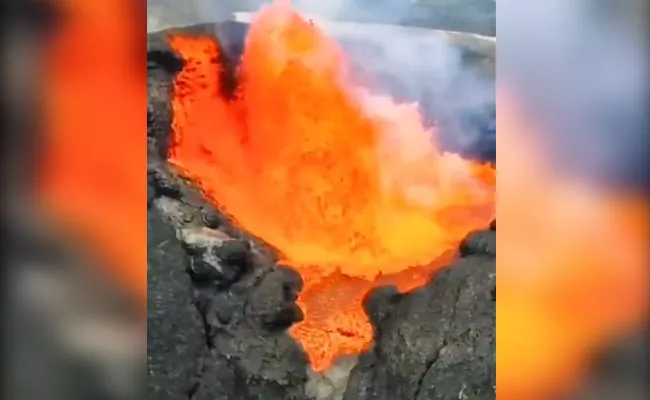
{"type": "Point", "coordinates": [349, 187]}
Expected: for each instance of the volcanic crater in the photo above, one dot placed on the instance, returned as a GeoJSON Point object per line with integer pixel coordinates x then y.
{"type": "Point", "coordinates": [294, 251]}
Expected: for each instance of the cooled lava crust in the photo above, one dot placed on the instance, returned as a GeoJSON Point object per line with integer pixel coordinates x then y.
{"type": "Point", "coordinates": [219, 303]}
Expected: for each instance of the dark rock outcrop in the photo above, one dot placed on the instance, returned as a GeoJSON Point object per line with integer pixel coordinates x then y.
{"type": "Point", "coordinates": [174, 328]}
{"type": "Point", "coordinates": [219, 307]}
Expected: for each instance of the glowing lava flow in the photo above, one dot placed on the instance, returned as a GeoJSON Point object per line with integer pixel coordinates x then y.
{"type": "Point", "coordinates": [350, 188]}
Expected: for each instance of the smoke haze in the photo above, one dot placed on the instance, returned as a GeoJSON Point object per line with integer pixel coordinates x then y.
{"type": "Point", "coordinates": [477, 16]}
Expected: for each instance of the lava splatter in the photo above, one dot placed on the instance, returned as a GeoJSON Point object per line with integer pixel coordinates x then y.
{"type": "Point", "coordinates": [351, 188]}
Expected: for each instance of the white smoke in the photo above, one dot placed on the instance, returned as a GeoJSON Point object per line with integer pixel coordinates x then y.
{"type": "Point", "coordinates": [391, 11]}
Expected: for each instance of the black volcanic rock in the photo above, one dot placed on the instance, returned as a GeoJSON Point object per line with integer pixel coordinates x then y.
{"type": "Point", "coordinates": [202, 271]}
{"type": "Point", "coordinates": [210, 217]}
{"type": "Point", "coordinates": [220, 305]}
{"type": "Point", "coordinates": [162, 66]}
{"type": "Point", "coordinates": [210, 267]}
{"type": "Point", "coordinates": [272, 303]}
{"type": "Point", "coordinates": [479, 242]}
{"type": "Point", "coordinates": [234, 252]}
{"type": "Point", "coordinates": [163, 184]}
{"type": "Point", "coordinates": [175, 337]}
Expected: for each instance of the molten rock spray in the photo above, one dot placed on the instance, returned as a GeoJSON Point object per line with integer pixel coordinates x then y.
{"type": "Point", "coordinates": [349, 187]}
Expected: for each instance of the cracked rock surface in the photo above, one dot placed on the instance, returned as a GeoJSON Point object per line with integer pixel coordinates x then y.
{"type": "Point", "coordinates": [221, 304]}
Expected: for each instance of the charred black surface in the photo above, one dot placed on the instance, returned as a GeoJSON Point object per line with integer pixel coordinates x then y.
{"type": "Point", "coordinates": [174, 329]}
{"type": "Point", "coordinates": [162, 66]}
{"type": "Point", "coordinates": [479, 242]}
{"type": "Point", "coordinates": [219, 305]}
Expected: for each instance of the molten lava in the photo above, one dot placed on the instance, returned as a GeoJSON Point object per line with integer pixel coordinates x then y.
{"type": "Point", "coordinates": [349, 187]}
